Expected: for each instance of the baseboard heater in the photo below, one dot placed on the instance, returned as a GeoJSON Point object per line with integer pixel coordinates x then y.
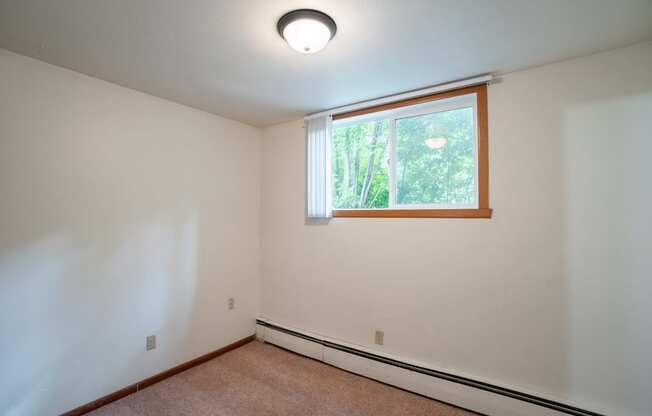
{"type": "Point", "coordinates": [461, 391]}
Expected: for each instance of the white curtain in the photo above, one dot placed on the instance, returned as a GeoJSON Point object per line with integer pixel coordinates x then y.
{"type": "Point", "coordinates": [318, 142]}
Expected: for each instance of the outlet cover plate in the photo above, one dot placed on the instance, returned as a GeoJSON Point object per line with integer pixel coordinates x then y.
{"type": "Point", "coordinates": [150, 343]}
{"type": "Point", "coordinates": [379, 337]}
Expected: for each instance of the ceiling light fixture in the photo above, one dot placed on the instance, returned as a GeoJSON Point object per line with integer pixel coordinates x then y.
{"type": "Point", "coordinates": [306, 30]}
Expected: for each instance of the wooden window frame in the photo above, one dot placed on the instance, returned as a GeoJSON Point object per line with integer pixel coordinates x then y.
{"type": "Point", "coordinates": [483, 210]}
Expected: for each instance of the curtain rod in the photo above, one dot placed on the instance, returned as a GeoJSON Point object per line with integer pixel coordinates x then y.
{"type": "Point", "coordinates": [468, 82]}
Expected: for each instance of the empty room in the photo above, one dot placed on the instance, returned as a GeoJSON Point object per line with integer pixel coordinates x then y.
{"type": "Point", "coordinates": [329, 208]}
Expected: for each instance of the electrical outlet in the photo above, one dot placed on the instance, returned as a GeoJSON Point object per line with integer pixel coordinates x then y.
{"type": "Point", "coordinates": [231, 303]}
{"type": "Point", "coordinates": [150, 344]}
{"type": "Point", "coordinates": [379, 338]}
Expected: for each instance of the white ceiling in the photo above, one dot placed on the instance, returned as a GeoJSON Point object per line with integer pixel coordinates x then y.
{"type": "Point", "coordinates": [225, 57]}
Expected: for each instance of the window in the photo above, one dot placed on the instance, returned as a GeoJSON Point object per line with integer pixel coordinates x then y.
{"type": "Point", "coordinates": [423, 157]}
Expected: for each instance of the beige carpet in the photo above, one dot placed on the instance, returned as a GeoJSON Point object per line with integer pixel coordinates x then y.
{"type": "Point", "coordinates": [260, 379]}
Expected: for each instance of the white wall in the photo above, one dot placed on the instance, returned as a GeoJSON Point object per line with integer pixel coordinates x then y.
{"type": "Point", "coordinates": [552, 295]}
{"type": "Point", "coordinates": [121, 215]}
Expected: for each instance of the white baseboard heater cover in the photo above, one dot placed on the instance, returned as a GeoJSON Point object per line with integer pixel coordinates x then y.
{"type": "Point", "coordinates": [460, 391]}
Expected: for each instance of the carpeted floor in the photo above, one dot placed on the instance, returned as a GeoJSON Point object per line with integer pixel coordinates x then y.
{"type": "Point", "coordinates": [260, 379]}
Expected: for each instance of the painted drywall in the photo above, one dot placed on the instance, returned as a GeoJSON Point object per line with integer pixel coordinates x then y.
{"type": "Point", "coordinates": [550, 296]}
{"type": "Point", "coordinates": [121, 215]}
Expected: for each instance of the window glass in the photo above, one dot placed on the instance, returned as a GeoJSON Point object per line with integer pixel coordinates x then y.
{"type": "Point", "coordinates": [360, 165]}
{"type": "Point", "coordinates": [423, 156]}
{"type": "Point", "coordinates": [435, 159]}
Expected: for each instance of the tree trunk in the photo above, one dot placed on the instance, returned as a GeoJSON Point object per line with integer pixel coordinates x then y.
{"type": "Point", "coordinates": [356, 174]}
{"type": "Point", "coordinates": [371, 165]}
{"type": "Point", "coordinates": [345, 179]}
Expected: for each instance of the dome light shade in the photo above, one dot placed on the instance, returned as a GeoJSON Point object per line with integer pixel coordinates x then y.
{"type": "Point", "coordinates": [306, 30]}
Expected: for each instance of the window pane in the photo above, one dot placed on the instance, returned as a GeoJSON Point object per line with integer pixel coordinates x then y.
{"type": "Point", "coordinates": [435, 159]}
{"type": "Point", "coordinates": [360, 165]}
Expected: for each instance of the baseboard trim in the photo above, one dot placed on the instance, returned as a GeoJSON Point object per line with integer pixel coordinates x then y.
{"type": "Point", "coordinates": [465, 381]}
{"type": "Point", "coordinates": [133, 388]}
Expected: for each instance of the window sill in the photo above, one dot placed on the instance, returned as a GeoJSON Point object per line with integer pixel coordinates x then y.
{"type": "Point", "coordinates": [413, 213]}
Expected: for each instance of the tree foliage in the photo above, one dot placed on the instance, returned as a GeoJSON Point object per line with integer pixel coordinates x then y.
{"type": "Point", "coordinates": [439, 175]}
{"type": "Point", "coordinates": [435, 161]}
{"type": "Point", "coordinates": [360, 165]}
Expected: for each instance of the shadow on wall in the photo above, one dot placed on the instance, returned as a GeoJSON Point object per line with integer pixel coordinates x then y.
{"type": "Point", "coordinates": [77, 301]}
{"type": "Point", "coordinates": [97, 252]}
{"type": "Point", "coordinates": [590, 172]}
{"type": "Point", "coordinates": [121, 216]}
{"type": "Point", "coordinates": [608, 238]}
